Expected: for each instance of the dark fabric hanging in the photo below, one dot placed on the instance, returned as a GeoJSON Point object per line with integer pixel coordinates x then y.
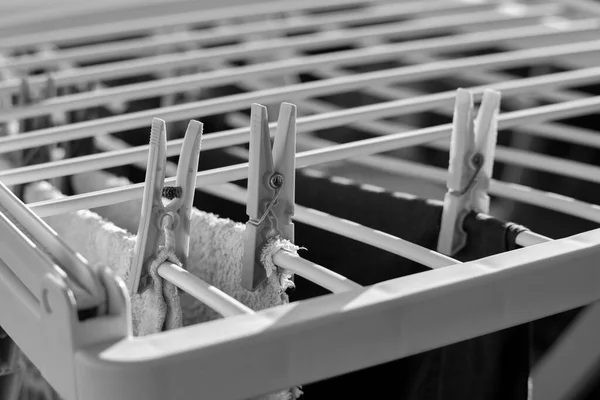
{"type": "Point", "coordinates": [494, 366]}
{"type": "Point", "coordinates": [558, 225]}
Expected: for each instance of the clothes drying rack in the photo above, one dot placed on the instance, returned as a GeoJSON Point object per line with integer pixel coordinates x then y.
{"type": "Point", "coordinates": [265, 48]}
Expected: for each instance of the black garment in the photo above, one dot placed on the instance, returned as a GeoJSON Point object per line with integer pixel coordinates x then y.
{"type": "Point", "coordinates": [494, 366]}
{"type": "Point", "coordinates": [557, 224]}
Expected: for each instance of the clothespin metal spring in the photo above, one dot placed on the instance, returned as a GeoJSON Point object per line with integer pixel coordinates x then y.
{"type": "Point", "coordinates": [477, 161]}
{"type": "Point", "coordinates": [276, 182]}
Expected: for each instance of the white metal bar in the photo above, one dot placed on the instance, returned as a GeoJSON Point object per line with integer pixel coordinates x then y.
{"type": "Point", "coordinates": [362, 147]}
{"type": "Point", "coordinates": [492, 77]}
{"type": "Point", "coordinates": [324, 120]}
{"type": "Point", "coordinates": [318, 40]}
{"type": "Point", "coordinates": [373, 325]}
{"type": "Point", "coordinates": [479, 77]}
{"type": "Point", "coordinates": [208, 294]}
{"type": "Point", "coordinates": [566, 133]}
{"type": "Point", "coordinates": [528, 238]}
{"type": "Point", "coordinates": [235, 102]}
{"type": "Point", "coordinates": [150, 25]}
{"type": "Point", "coordinates": [107, 31]}
{"type": "Point", "coordinates": [324, 277]}
{"type": "Point", "coordinates": [228, 76]}
{"type": "Point", "coordinates": [149, 46]}
{"type": "Point", "coordinates": [25, 13]}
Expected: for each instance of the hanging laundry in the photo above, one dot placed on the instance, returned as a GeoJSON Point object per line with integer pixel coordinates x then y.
{"type": "Point", "coordinates": [557, 224]}
{"type": "Point", "coordinates": [494, 366]}
{"type": "Point", "coordinates": [479, 368]}
{"type": "Point", "coordinates": [216, 250]}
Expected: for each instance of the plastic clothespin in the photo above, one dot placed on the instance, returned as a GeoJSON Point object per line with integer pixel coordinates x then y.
{"type": "Point", "coordinates": [271, 188]}
{"type": "Point", "coordinates": [159, 224]}
{"type": "Point", "coordinates": [471, 165]}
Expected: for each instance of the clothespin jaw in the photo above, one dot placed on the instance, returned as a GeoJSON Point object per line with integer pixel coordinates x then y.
{"type": "Point", "coordinates": [165, 226]}
{"type": "Point", "coordinates": [271, 188]}
{"type": "Point", "coordinates": [471, 165]}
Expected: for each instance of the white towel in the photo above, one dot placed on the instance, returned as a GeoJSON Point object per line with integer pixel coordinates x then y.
{"type": "Point", "coordinates": [216, 250]}
{"type": "Point", "coordinates": [102, 242]}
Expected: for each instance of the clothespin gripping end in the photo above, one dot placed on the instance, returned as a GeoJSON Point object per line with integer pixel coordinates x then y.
{"type": "Point", "coordinates": [158, 222]}
{"type": "Point", "coordinates": [271, 186]}
{"type": "Point", "coordinates": [471, 166]}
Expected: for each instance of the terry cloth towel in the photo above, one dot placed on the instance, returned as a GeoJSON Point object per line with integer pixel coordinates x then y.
{"type": "Point", "coordinates": [490, 367]}
{"type": "Point", "coordinates": [102, 242]}
{"type": "Point", "coordinates": [216, 251]}
{"type": "Point", "coordinates": [90, 181]}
